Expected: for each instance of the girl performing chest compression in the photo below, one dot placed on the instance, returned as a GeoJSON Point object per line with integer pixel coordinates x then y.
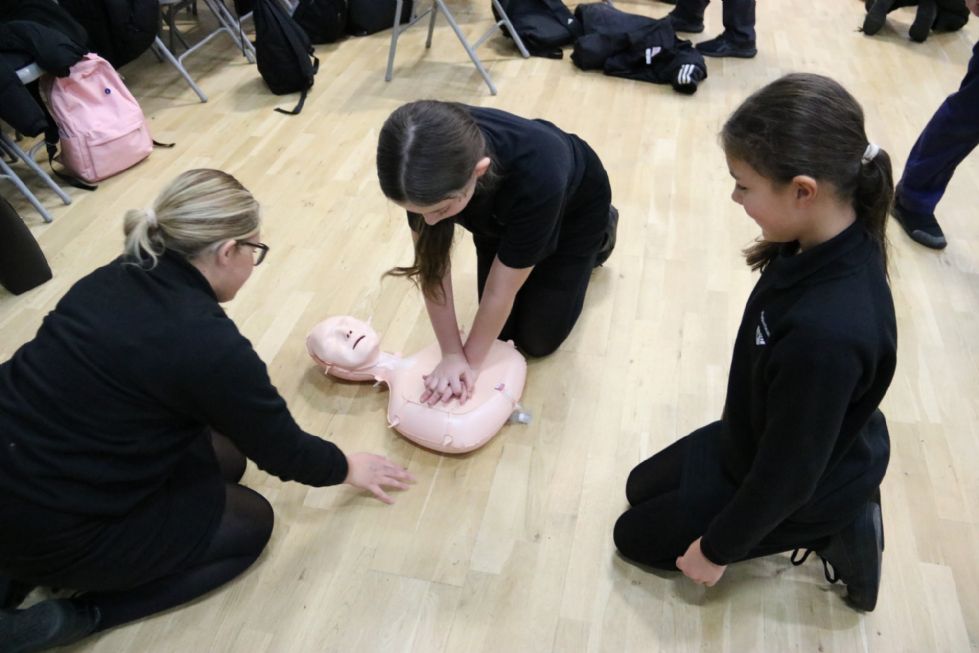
{"type": "Point", "coordinates": [538, 204]}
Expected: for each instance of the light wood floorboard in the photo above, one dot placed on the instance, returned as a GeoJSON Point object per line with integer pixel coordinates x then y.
{"type": "Point", "coordinates": [509, 548]}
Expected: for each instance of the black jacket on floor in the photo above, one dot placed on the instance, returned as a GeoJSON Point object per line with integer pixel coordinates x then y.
{"type": "Point", "coordinates": [802, 435]}
{"type": "Point", "coordinates": [121, 380]}
{"type": "Point", "coordinates": [632, 46]}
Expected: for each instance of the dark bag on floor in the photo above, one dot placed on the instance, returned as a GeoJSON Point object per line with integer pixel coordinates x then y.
{"type": "Point", "coordinates": [283, 52]}
{"type": "Point", "coordinates": [543, 25]}
{"type": "Point", "coordinates": [324, 21]}
{"type": "Point", "coordinates": [22, 263]}
{"type": "Point", "coordinates": [370, 16]}
{"type": "Point", "coordinates": [118, 30]}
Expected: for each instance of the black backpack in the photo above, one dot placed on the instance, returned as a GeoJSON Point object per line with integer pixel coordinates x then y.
{"type": "Point", "coordinates": [371, 16]}
{"type": "Point", "coordinates": [118, 30]}
{"type": "Point", "coordinates": [324, 21]}
{"type": "Point", "coordinates": [543, 25]}
{"type": "Point", "coordinates": [283, 51]}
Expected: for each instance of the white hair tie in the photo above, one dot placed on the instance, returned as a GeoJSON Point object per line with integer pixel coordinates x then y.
{"type": "Point", "coordinates": [870, 153]}
{"type": "Point", "coordinates": [151, 217]}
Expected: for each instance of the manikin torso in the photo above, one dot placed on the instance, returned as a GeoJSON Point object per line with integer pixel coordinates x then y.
{"type": "Point", "coordinates": [350, 349]}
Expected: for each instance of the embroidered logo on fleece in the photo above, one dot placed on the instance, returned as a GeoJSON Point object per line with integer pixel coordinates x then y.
{"type": "Point", "coordinates": [761, 332]}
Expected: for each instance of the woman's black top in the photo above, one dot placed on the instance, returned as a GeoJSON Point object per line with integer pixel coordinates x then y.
{"type": "Point", "coordinates": [802, 436]}
{"type": "Point", "coordinates": [527, 212]}
{"type": "Point", "coordinates": [122, 378]}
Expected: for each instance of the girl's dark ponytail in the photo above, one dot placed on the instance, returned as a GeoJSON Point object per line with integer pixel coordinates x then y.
{"type": "Point", "coordinates": [805, 124]}
{"type": "Point", "coordinates": [873, 196]}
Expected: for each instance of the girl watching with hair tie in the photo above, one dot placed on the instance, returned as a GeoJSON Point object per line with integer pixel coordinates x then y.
{"type": "Point", "coordinates": [798, 455]}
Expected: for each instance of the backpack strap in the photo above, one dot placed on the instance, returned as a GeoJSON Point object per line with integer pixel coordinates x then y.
{"type": "Point", "coordinates": [52, 149]}
{"type": "Point", "coordinates": [305, 91]}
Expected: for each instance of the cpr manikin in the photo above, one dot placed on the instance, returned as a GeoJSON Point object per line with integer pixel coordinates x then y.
{"type": "Point", "coordinates": [350, 349]}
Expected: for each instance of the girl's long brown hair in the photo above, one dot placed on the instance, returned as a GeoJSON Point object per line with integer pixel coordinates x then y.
{"type": "Point", "coordinates": [427, 152]}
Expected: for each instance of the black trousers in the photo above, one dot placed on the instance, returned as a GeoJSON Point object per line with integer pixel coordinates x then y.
{"type": "Point", "coordinates": [675, 495]}
{"type": "Point", "coordinates": [243, 530]}
{"type": "Point", "coordinates": [739, 17]}
{"type": "Point", "coordinates": [548, 304]}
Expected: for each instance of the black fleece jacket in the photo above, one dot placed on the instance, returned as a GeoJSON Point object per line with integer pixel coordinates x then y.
{"type": "Point", "coordinates": [123, 376]}
{"type": "Point", "coordinates": [802, 436]}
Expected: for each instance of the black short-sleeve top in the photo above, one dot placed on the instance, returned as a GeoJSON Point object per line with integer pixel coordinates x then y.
{"type": "Point", "coordinates": [539, 172]}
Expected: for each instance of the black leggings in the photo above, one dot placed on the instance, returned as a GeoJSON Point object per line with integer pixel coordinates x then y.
{"type": "Point", "coordinates": [244, 530]}
{"type": "Point", "coordinates": [669, 510]}
{"type": "Point", "coordinates": [547, 306]}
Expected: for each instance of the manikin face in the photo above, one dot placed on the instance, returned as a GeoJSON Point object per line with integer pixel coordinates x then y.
{"type": "Point", "coordinates": [345, 342]}
{"type": "Point", "coordinates": [765, 203]}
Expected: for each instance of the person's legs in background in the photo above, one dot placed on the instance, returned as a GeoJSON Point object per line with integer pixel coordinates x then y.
{"type": "Point", "coordinates": [950, 135]}
{"type": "Point", "coordinates": [738, 37]}
{"type": "Point", "coordinates": [688, 16]}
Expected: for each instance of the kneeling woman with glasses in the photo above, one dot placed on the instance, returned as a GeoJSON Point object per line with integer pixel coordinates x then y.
{"type": "Point", "coordinates": [114, 480]}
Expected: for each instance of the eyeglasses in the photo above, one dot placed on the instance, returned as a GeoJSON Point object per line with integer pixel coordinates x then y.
{"type": "Point", "coordinates": [259, 250]}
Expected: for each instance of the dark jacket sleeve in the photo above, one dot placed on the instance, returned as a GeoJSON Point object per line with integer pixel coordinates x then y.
{"type": "Point", "coordinates": [232, 392]}
{"type": "Point", "coordinates": [811, 382]}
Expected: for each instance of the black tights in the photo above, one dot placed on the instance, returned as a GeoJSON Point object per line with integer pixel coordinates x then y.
{"type": "Point", "coordinates": [243, 532]}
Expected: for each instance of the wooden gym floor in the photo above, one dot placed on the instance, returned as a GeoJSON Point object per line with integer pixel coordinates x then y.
{"type": "Point", "coordinates": [509, 548]}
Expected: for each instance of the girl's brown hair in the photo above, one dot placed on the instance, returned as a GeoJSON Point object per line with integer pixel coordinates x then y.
{"type": "Point", "coordinates": [427, 152]}
{"type": "Point", "coordinates": [805, 124]}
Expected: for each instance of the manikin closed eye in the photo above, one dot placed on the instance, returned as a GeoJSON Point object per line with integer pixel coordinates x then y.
{"type": "Point", "coordinates": [450, 427]}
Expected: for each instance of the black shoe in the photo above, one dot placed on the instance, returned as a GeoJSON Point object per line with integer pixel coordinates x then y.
{"type": "Point", "coordinates": [923, 228]}
{"type": "Point", "coordinates": [683, 24]}
{"type": "Point", "coordinates": [12, 592]}
{"type": "Point", "coordinates": [876, 15]}
{"type": "Point", "coordinates": [923, 20]}
{"type": "Point", "coordinates": [687, 77]}
{"type": "Point", "coordinates": [722, 47]}
{"type": "Point", "coordinates": [47, 624]}
{"type": "Point", "coordinates": [855, 555]}
{"type": "Point", "coordinates": [610, 232]}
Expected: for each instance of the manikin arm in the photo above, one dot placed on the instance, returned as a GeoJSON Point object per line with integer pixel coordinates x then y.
{"type": "Point", "coordinates": [494, 308]}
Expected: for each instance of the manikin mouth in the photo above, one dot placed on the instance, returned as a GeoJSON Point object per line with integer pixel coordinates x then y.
{"type": "Point", "coordinates": [357, 341]}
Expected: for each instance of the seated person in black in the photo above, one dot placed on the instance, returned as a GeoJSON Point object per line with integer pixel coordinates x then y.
{"type": "Point", "coordinates": [797, 458]}
{"type": "Point", "coordinates": [538, 203]}
{"type": "Point", "coordinates": [113, 479]}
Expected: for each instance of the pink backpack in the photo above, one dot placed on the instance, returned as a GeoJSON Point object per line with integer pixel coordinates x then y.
{"type": "Point", "coordinates": [101, 126]}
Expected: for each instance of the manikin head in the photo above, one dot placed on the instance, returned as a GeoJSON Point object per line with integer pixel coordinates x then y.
{"type": "Point", "coordinates": [344, 342]}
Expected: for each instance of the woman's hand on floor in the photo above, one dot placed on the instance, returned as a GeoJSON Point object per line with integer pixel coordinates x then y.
{"type": "Point", "coordinates": [367, 471]}
{"type": "Point", "coordinates": [695, 566]}
{"type": "Point", "coordinates": [452, 377]}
